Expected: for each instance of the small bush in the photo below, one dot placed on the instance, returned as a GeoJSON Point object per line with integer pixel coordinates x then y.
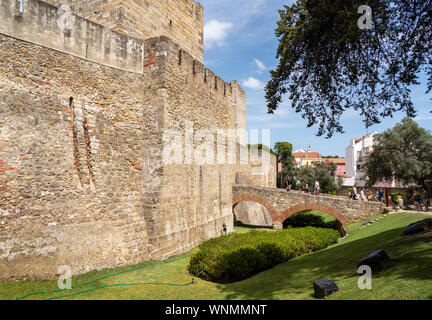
{"type": "Point", "coordinates": [302, 219]}
{"type": "Point", "coordinates": [238, 256]}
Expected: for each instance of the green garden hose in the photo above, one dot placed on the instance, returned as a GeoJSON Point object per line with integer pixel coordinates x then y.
{"type": "Point", "coordinates": [113, 285]}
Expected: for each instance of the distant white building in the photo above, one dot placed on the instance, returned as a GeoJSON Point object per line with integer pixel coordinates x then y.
{"type": "Point", "coordinates": [356, 153]}
{"type": "Point", "coordinates": [357, 150]}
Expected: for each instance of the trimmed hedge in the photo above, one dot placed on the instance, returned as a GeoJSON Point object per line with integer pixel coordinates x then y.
{"type": "Point", "coordinates": [239, 256]}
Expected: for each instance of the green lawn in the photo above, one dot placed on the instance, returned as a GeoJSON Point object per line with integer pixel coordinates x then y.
{"type": "Point", "coordinates": [409, 278]}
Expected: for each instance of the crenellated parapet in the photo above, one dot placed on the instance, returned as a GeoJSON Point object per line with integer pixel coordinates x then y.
{"type": "Point", "coordinates": [162, 52]}
{"type": "Point", "coordinates": [180, 20]}
{"type": "Point", "coordinates": [40, 23]}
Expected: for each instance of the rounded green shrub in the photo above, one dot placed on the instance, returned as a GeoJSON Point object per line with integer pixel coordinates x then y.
{"type": "Point", "coordinates": [238, 256]}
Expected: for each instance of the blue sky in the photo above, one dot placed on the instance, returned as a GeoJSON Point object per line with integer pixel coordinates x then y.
{"type": "Point", "coordinates": [240, 45]}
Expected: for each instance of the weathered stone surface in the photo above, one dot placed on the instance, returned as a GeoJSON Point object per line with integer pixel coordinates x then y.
{"type": "Point", "coordinates": [324, 288]}
{"type": "Point", "coordinates": [277, 226]}
{"type": "Point", "coordinates": [252, 213]}
{"type": "Point", "coordinates": [180, 20]}
{"type": "Point", "coordinates": [419, 226]}
{"type": "Point", "coordinates": [377, 261]}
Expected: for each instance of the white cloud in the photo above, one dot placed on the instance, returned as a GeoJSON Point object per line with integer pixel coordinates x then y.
{"type": "Point", "coordinates": [215, 33]}
{"type": "Point", "coordinates": [253, 83]}
{"type": "Point", "coordinates": [261, 67]}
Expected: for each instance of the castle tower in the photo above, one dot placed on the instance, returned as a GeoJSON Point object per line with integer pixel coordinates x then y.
{"type": "Point", "coordinates": [180, 20]}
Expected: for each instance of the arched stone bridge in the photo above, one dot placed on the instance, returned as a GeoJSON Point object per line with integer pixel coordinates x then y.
{"type": "Point", "coordinates": [281, 204]}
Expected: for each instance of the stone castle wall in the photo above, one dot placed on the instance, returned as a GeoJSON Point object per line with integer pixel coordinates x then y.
{"type": "Point", "coordinates": [194, 199]}
{"type": "Point", "coordinates": [83, 181]}
{"type": "Point", "coordinates": [72, 191]}
{"type": "Point", "coordinates": [180, 20]}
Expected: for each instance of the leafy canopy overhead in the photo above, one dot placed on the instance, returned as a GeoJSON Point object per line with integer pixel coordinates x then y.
{"type": "Point", "coordinates": [327, 64]}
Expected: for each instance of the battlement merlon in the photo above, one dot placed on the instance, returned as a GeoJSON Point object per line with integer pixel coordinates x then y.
{"type": "Point", "coordinates": [159, 48]}
{"type": "Point", "coordinates": [180, 20]}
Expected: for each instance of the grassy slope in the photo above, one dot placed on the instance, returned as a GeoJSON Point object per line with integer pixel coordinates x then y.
{"type": "Point", "coordinates": [410, 278]}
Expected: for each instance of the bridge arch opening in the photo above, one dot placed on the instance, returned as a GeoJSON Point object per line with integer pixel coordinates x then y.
{"type": "Point", "coordinates": [310, 218]}
{"type": "Point", "coordinates": [251, 214]}
{"type": "Point", "coordinates": [279, 217]}
{"type": "Point", "coordinates": [339, 221]}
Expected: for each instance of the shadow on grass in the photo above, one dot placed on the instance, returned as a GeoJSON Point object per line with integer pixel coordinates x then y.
{"type": "Point", "coordinates": [249, 226]}
{"type": "Point", "coordinates": [337, 262]}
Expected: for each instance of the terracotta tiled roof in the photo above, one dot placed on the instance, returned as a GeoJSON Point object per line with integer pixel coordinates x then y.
{"type": "Point", "coordinates": [335, 160]}
{"type": "Point", "coordinates": [314, 155]}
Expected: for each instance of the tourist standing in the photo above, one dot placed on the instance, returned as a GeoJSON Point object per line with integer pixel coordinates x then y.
{"type": "Point", "coordinates": [362, 195]}
{"type": "Point", "coordinates": [381, 195]}
{"type": "Point", "coordinates": [316, 188]}
{"type": "Point", "coordinates": [417, 200]}
{"type": "Point", "coordinates": [355, 194]}
{"type": "Point", "coordinates": [288, 184]}
{"type": "Point", "coordinates": [425, 199]}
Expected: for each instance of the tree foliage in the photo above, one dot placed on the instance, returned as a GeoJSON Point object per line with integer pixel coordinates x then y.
{"type": "Point", "coordinates": [403, 153]}
{"type": "Point", "coordinates": [261, 146]}
{"type": "Point", "coordinates": [284, 152]}
{"type": "Point", "coordinates": [327, 64]}
{"type": "Point", "coordinates": [323, 172]}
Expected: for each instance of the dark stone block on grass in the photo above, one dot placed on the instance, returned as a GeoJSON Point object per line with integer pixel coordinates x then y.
{"type": "Point", "coordinates": [419, 226]}
{"type": "Point", "coordinates": [324, 288]}
{"type": "Point", "coordinates": [377, 261]}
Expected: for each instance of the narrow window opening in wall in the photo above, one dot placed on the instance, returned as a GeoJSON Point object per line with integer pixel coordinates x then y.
{"type": "Point", "coordinates": [180, 57]}
{"type": "Point", "coordinates": [20, 6]}
{"type": "Point", "coordinates": [215, 83]}
{"type": "Point", "coordinates": [205, 76]}
{"type": "Point", "coordinates": [193, 68]}
{"type": "Point", "coordinates": [224, 89]}
{"type": "Point", "coordinates": [170, 23]}
{"type": "Point", "coordinates": [70, 101]}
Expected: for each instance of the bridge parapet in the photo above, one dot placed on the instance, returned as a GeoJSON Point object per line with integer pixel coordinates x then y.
{"type": "Point", "coordinates": [281, 203]}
